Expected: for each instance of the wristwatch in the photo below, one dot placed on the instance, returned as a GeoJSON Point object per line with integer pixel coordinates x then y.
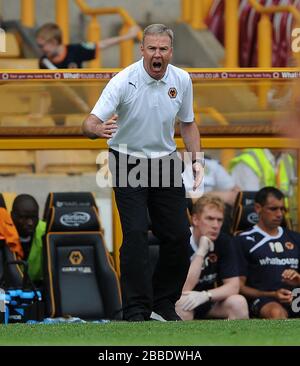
{"type": "Point", "coordinates": [201, 161]}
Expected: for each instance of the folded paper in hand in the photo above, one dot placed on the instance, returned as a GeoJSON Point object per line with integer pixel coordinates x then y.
{"type": "Point", "coordinates": [188, 181]}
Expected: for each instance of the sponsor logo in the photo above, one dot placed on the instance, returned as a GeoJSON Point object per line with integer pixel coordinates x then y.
{"type": "Point", "coordinates": [252, 218]}
{"type": "Point", "coordinates": [76, 218]}
{"type": "Point", "coordinates": [71, 204]}
{"type": "Point", "coordinates": [80, 269]}
{"type": "Point", "coordinates": [130, 83]}
{"type": "Point", "coordinates": [208, 278]}
{"type": "Point", "coordinates": [290, 75]}
{"type": "Point", "coordinates": [292, 262]}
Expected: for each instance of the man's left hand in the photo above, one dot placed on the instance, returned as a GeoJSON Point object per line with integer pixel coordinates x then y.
{"type": "Point", "coordinates": [198, 171]}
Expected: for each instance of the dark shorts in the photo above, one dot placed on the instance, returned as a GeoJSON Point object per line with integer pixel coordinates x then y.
{"type": "Point", "coordinates": [202, 310]}
{"type": "Point", "coordinates": [256, 305]}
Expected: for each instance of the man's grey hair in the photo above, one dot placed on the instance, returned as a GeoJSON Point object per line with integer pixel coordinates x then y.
{"type": "Point", "coordinates": [160, 29]}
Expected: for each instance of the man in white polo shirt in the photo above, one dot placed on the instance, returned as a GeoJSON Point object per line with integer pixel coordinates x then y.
{"type": "Point", "coordinates": [136, 112]}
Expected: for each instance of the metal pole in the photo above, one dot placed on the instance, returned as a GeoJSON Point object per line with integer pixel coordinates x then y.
{"type": "Point", "coordinates": [197, 21]}
{"type": "Point", "coordinates": [231, 33]}
{"type": "Point", "coordinates": [28, 13]}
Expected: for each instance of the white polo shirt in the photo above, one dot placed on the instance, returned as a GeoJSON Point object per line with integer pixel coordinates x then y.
{"type": "Point", "coordinates": [146, 109]}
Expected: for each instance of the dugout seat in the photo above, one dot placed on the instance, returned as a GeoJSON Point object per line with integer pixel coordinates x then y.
{"type": "Point", "coordinates": [79, 277]}
{"type": "Point", "coordinates": [11, 275]}
{"type": "Point", "coordinates": [244, 215]}
{"type": "Point", "coordinates": [68, 199]}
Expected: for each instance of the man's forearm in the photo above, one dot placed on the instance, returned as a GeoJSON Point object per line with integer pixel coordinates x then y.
{"type": "Point", "coordinates": [193, 274]}
{"type": "Point", "coordinates": [253, 293]}
{"type": "Point", "coordinates": [191, 137]}
{"type": "Point", "coordinates": [229, 288]}
{"type": "Point", "coordinates": [111, 41]}
{"type": "Point", "coordinates": [89, 126]}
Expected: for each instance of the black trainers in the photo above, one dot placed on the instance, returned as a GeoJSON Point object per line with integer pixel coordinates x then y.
{"type": "Point", "coordinates": [165, 315]}
{"type": "Point", "coordinates": [136, 318]}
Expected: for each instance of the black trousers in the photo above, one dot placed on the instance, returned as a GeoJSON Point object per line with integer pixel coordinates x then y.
{"type": "Point", "coordinates": [166, 206]}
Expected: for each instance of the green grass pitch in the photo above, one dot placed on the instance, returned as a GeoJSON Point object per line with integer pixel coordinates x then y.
{"type": "Point", "coordinates": [193, 333]}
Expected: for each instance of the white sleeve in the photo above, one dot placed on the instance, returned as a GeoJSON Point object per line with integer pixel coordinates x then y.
{"type": "Point", "coordinates": [186, 112]}
{"type": "Point", "coordinates": [108, 101]}
{"type": "Point", "coordinates": [245, 178]}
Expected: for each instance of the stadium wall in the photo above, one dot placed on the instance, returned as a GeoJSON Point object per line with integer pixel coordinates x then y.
{"type": "Point", "coordinates": [144, 12]}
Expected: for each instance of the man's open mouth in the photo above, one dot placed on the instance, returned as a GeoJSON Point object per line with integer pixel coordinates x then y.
{"type": "Point", "coordinates": [156, 65]}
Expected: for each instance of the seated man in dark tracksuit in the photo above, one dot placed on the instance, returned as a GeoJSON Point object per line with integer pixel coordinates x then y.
{"type": "Point", "coordinates": [269, 260]}
{"type": "Point", "coordinates": [212, 284]}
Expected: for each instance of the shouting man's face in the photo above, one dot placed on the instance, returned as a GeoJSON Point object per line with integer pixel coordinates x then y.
{"type": "Point", "coordinates": [157, 52]}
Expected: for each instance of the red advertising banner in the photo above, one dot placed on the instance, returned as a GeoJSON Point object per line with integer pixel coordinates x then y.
{"type": "Point", "coordinates": [195, 75]}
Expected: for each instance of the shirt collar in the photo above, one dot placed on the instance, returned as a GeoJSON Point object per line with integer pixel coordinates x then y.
{"type": "Point", "coordinates": [265, 234]}
{"type": "Point", "coordinates": [148, 79]}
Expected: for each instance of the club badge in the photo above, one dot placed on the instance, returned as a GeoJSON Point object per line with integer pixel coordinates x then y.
{"type": "Point", "coordinates": [289, 245]}
{"type": "Point", "coordinates": [212, 257]}
{"type": "Point", "coordinates": [172, 93]}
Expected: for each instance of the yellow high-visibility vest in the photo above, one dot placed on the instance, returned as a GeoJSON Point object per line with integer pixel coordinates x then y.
{"type": "Point", "coordinates": [257, 160]}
